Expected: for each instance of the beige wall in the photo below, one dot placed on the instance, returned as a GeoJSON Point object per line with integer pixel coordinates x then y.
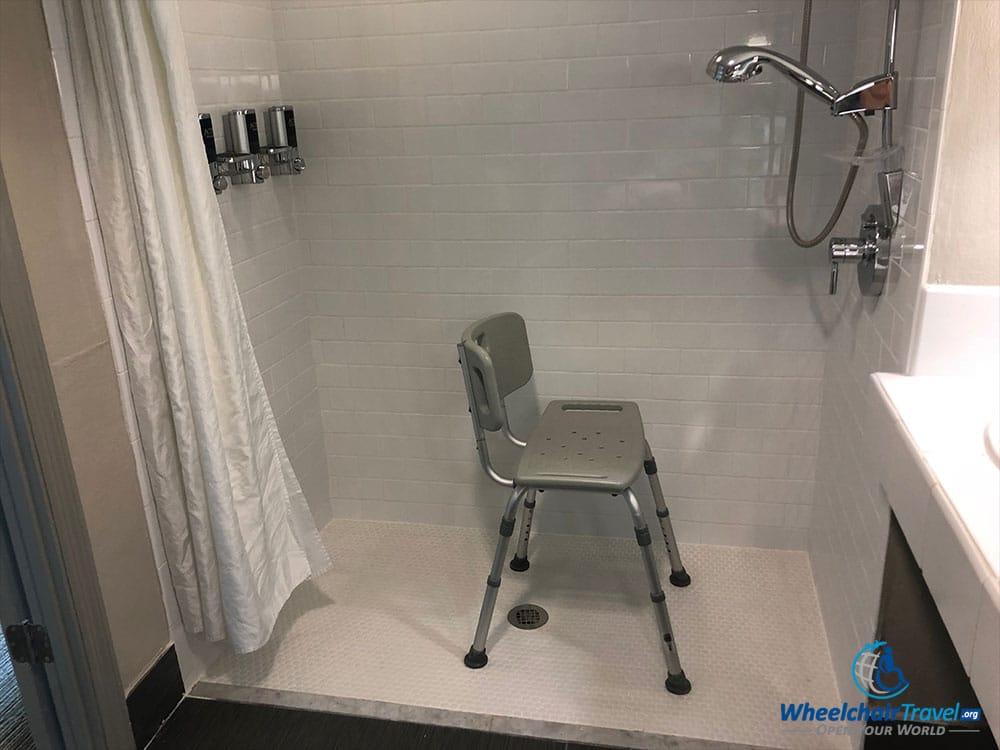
{"type": "Point", "coordinates": [965, 235]}
{"type": "Point", "coordinates": [50, 224]}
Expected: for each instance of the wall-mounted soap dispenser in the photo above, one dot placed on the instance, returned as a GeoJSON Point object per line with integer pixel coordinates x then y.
{"type": "Point", "coordinates": [217, 168]}
{"type": "Point", "coordinates": [240, 164]}
{"type": "Point", "coordinates": [243, 161]}
{"type": "Point", "coordinates": [282, 151]}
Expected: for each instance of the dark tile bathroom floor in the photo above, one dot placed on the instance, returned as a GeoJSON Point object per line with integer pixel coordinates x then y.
{"type": "Point", "coordinates": [200, 724]}
{"type": "Point", "coordinates": [14, 733]}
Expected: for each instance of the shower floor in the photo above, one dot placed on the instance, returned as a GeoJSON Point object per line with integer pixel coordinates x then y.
{"type": "Point", "coordinates": [384, 633]}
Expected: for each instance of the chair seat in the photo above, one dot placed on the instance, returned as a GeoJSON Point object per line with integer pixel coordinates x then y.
{"type": "Point", "coordinates": [584, 445]}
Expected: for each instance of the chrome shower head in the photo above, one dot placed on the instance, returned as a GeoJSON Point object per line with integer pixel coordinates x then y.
{"type": "Point", "coordinates": [741, 63]}
{"type": "Point", "coordinates": [729, 68]}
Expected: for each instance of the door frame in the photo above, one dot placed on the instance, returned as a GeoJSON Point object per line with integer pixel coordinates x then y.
{"type": "Point", "coordinates": [45, 520]}
{"type": "Point", "coordinates": [32, 680]}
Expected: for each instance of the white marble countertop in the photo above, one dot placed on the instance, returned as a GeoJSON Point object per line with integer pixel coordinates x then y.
{"type": "Point", "coordinates": [945, 419]}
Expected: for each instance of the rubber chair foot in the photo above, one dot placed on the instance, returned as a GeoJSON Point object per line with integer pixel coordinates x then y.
{"type": "Point", "coordinates": [678, 684]}
{"type": "Point", "coordinates": [680, 578]}
{"type": "Point", "coordinates": [520, 564]}
{"type": "Point", "coordinates": [476, 659]}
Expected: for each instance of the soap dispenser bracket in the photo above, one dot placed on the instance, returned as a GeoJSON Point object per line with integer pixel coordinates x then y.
{"type": "Point", "coordinates": [870, 252]}
{"type": "Point", "coordinates": [243, 169]}
{"type": "Point", "coordinates": [282, 159]}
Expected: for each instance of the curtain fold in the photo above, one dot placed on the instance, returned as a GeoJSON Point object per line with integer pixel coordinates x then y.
{"type": "Point", "coordinates": [237, 532]}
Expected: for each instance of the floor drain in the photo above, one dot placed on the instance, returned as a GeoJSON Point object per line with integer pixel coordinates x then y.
{"type": "Point", "coordinates": [527, 616]}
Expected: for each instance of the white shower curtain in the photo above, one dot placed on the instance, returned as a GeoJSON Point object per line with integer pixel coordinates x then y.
{"type": "Point", "coordinates": [237, 531]}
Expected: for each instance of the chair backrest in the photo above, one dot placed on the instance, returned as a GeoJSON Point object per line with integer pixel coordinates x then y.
{"type": "Point", "coordinates": [498, 362]}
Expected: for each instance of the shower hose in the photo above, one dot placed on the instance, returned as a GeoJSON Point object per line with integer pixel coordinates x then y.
{"type": "Point", "coordinates": [845, 191]}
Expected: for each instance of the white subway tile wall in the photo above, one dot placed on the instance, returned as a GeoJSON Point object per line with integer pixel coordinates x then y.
{"type": "Point", "coordinates": [571, 161]}
{"type": "Point", "coordinates": [850, 521]}
{"type": "Point", "coordinates": [232, 55]}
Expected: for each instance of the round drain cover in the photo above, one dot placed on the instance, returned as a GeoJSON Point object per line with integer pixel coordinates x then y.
{"type": "Point", "coordinates": [527, 616]}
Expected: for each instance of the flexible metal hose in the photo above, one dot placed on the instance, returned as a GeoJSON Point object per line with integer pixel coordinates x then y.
{"type": "Point", "coordinates": [845, 191]}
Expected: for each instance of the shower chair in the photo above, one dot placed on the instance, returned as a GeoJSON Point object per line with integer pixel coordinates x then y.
{"type": "Point", "coordinates": [585, 446]}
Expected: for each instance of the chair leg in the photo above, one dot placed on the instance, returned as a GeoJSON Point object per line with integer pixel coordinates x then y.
{"type": "Point", "coordinates": [678, 576]}
{"type": "Point", "coordinates": [676, 682]}
{"type": "Point", "coordinates": [520, 561]}
{"type": "Point", "coordinates": [476, 658]}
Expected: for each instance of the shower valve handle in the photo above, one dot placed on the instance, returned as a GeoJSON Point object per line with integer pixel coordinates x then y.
{"type": "Point", "coordinates": [849, 249]}
{"type": "Point", "coordinates": [844, 250]}
{"type": "Point", "coordinates": [870, 252]}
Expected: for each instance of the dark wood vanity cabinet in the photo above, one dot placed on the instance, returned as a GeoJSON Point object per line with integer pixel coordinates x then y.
{"type": "Point", "coordinates": [909, 621]}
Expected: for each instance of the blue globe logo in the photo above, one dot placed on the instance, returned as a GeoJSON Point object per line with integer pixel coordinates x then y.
{"type": "Point", "coordinates": [875, 672]}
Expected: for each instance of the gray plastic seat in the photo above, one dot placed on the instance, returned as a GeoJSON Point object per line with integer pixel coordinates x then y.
{"type": "Point", "coordinates": [579, 445]}
{"type": "Point", "coordinates": [584, 445]}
